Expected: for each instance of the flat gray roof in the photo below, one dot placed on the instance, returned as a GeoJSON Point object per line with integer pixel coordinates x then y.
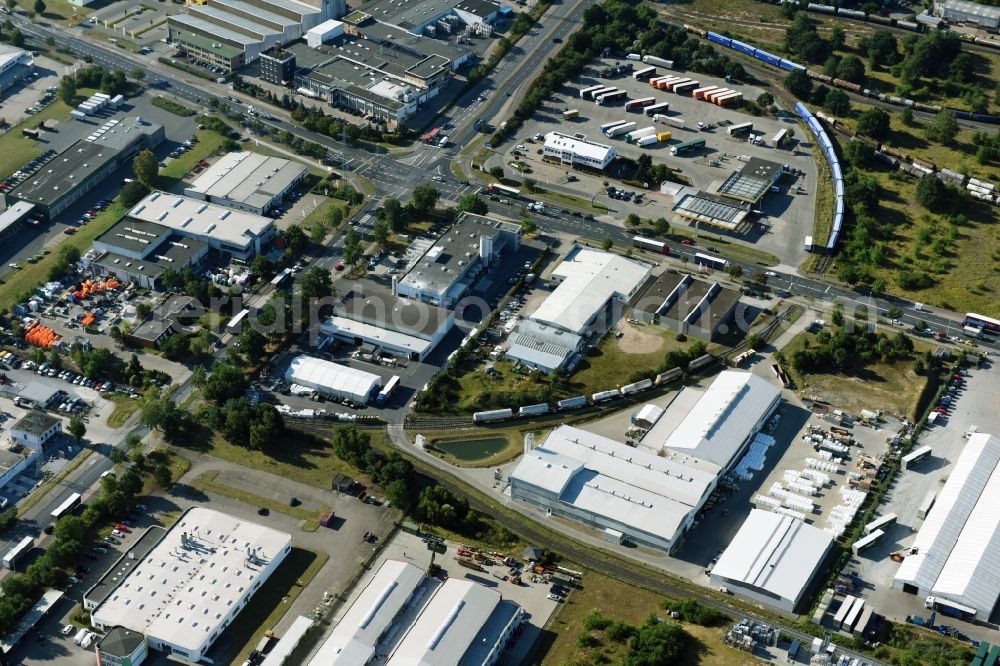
{"type": "Point", "coordinates": [120, 642]}
{"type": "Point", "coordinates": [710, 209]}
{"type": "Point", "coordinates": [262, 14]}
{"type": "Point", "coordinates": [687, 298]}
{"type": "Point", "coordinates": [480, 8]}
{"type": "Point", "coordinates": [208, 12]}
{"type": "Point", "coordinates": [120, 570]}
{"type": "Point", "coordinates": [380, 307]}
{"type": "Point", "coordinates": [201, 25]}
{"type": "Point", "coordinates": [408, 15]}
{"type": "Point", "coordinates": [751, 182]}
{"type": "Point", "coordinates": [246, 177]}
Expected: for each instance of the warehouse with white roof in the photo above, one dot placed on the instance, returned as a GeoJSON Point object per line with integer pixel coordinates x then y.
{"type": "Point", "coordinates": [958, 546]}
{"type": "Point", "coordinates": [404, 618]}
{"type": "Point", "coordinates": [717, 423]}
{"type": "Point", "coordinates": [593, 288]}
{"type": "Point", "coordinates": [191, 585]}
{"type": "Point", "coordinates": [651, 499]}
{"type": "Point", "coordinates": [247, 181]}
{"type": "Point", "coordinates": [332, 378]}
{"type": "Point", "coordinates": [571, 150]}
{"type": "Point", "coordinates": [772, 559]}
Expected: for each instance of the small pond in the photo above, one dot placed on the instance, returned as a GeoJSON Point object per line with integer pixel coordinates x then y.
{"type": "Point", "coordinates": [471, 450]}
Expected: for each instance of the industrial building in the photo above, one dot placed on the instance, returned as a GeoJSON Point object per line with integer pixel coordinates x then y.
{"type": "Point", "coordinates": [593, 288]}
{"type": "Point", "coordinates": [718, 423]}
{"type": "Point", "coordinates": [332, 378]}
{"type": "Point", "coordinates": [402, 617]}
{"type": "Point", "coordinates": [435, 18]}
{"type": "Point", "coordinates": [61, 181]}
{"type": "Point", "coordinates": [139, 252]}
{"type": "Point", "coordinates": [121, 647]}
{"type": "Point", "coordinates": [449, 267]}
{"type": "Point", "coordinates": [710, 209]}
{"type": "Point", "coordinates": [400, 326]}
{"type": "Point", "coordinates": [324, 32]}
{"type": "Point", "coordinates": [963, 11]}
{"type": "Point", "coordinates": [375, 68]}
{"type": "Point", "coordinates": [752, 182]}
{"type": "Point", "coordinates": [12, 219]}
{"type": "Point", "coordinates": [194, 582]}
{"type": "Point", "coordinates": [573, 151]}
{"type": "Point", "coordinates": [955, 553]}
{"type": "Point", "coordinates": [232, 234]}
{"type": "Point", "coordinates": [650, 499]}
{"type": "Point", "coordinates": [683, 304]}
{"type": "Point", "coordinates": [234, 33]}
{"type": "Point", "coordinates": [35, 428]}
{"type": "Point", "coordinates": [247, 181]}
{"type": "Point", "coordinates": [772, 559]}
{"type": "Point", "coordinates": [15, 64]}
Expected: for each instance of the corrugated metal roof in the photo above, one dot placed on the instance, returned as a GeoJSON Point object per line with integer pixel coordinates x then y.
{"type": "Point", "coordinates": [317, 373]}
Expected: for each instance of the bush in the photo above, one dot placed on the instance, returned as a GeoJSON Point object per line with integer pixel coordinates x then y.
{"type": "Point", "coordinates": [692, 611]}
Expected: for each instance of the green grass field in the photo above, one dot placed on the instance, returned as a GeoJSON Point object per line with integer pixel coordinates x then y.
{"type": "Point", "coordinates": [124, 408]}
{"type": "Point", "coordinates": [310, 518]}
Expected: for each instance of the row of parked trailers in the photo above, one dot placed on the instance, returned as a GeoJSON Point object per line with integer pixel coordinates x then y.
{"type": "Point", "coordinates": [597, 398]}
{"type": "Point", "coordinates": [854, 615]}
{"type": "Point", "coordinates": [719, 95]}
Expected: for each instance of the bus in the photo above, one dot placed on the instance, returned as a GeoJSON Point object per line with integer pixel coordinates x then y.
{"type": "Point", "coordinates": [67, 506]}
{"type": "Point", "coordinates": [502, 190]}
{"type": "Point", "coordinates": [649, 244]}
{"type": "Point", "coordinates": [717, 263]}
{"type": "Point", "coordinates": [387, 390]}
{"type": "Point", "coordinates": [950, 608]}
{"type": "Point", "coordinates": [988, 324]}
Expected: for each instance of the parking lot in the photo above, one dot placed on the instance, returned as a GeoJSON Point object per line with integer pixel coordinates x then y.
{"type": "Point", "coordinates": [973, 404]}
{"type": "Point", "coordinates": [786, 217]}
{"type": "Point", "coordinates": [32, 94]}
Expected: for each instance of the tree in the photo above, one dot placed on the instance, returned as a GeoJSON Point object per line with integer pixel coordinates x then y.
{"type": "Point", "coordinates": [10, 4]}
{"type": "Point", "coordinates": [906, 115]}
{"type": "Point", "coordinates": [528, 225]}
{"type": "Point", "coordinates": [155, 409]}
{"type": "Point", "coordinates": [295, 238]}
{"type": "Point", "coordinates": [798, 83]}
{"type": "Point", "coordinates": [875, 123]}
{"type": "Point", "coordinates": [67, 89]}
{"type": "Point", "coordinates": [133, 192]}
{"type": "Point", "coordinates": [851, 69]}
{"type": "Point", "coordinates": [250, 344]}
{"type": "Point", "coordinates": [262, 267]}
{"type": "Point", "coordinates": [471, 203]}
{"type": "Point", "coordinates": [632, 220]}
{"type": "Point", "coordinates": [764, 100]}
{"type": "Point", "coordinates": [117, 456]}
{"type": "Point", "coordinates": [8, 518]}
{"type": "Point", "coordinates": [881, 48]}
{"type": "Point", "coordinates": [39, 7]}
{"type": "Point", "coordinates": [606, 244]}
{"type": "Point", "coordinates": [139, 74]}
{"type": "Point", "coordinates": [226, 381]}
{"type": "Point", "coordinates": [425, 197]}
{"type": "Point", "coordinates": [942, 128]}
{"type": "Point", "coordinates": [497, 172]}
{"type": "Point", "coordinates": [353, 249]}
{"type": "Point", "coordinates": [161, 473]}
{"type": "Point", "coordinates": [380, 232]}
{"type": "Point", "coordinates": [661, 226]}
{"type": "Point", "coordinates": [317, 233]}
{"type": "Point", "coordinates": [316, 283]}
{"type": "Point", "coordinates": [77, 428]}
{"type": "Point", "coordinates": [266, 427]}
{"type": "Point", "coordinates": [837, 102]}
{"type": "Point", "coordinates": [176, 347]}
{"type": "Point", "coordinates": [933, 194]}
{"type": "Point", "coordinates": [393, 214]}
{"type": "Point", "coordinates": [858, 153]}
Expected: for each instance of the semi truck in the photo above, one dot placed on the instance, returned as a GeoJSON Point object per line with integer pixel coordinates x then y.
{"type": "Point", "coordinates": [950, 608]}
{"type": "Point", "coordinates": [634, 136]}
{"type": "Point", "coordinates": [606, 126]}
{"type": "Point", "coordinates": [685, 88]}
{"type": "Point", "coordinates": [687, 147]}
{"type": "Point", "coordinates": [659, 62]}
{"type": "Point", "coordinates": [639, 104]}
{"type": "Point", "coordinates": [387, 390]}
{"type": "Point", "coordinates": [647, 141]}
{"type": "Point", "coordinates": [616, 95]}
{"type": "Point", "coordinates": [644, 73]}
{"type": "Point", "coordinates": [588, 93]}
{"type": "Point", "coordinates": [620, 129]}
{"type": "Point", "coordinates": [738, 129]}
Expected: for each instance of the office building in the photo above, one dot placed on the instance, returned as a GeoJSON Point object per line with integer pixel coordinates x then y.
{"type": "Point", "coordinates": [194, 582]}
{"type": "Point", "coordinates": [572, 151]}
{"type": "Point", "coordinates": [121, 647]}
{"type": "Point", "coordinates": [248, 181]}
{"type": "Point", "coordinates": [67, 177]}
{"type": "Point", "coordinates": [35, 428]}
{"type": "Point", "coordinates": [277, 66]}
{"type": "Point", "coordinates": [15, 64]}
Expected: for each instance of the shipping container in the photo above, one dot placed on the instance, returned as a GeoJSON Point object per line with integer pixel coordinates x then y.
{"type": "Point", "coordinates": [719, 39]}
{"type": "Point", "coordinates": [716, 94]}
{"type": "Point", "coordinates": [665, 83]}
{"type": "Point", "coordinates": [660, 62]}
{"type": "Point", "coordinates": [644, 73]}
{"type": "Point", "coordinates": [738, 129]}
{"type": "Point", "coordinates": [745, 49]}
{"type": "Point", "coordinates": [639, 104]}
{"type": "Point", "coordinates": [853, 615]}
{"type": "Point", "coordinates": [116, 101]}
{"type": "Point", "coordinates": [729, 99]}
{"type": "Point", "coordinates": [845, 608]}
{"type": "Point", "coordinates": [534, 410]}
{"type": "Point", "coordinates": [676, 82]}
{"type": "Point", "coordinates": [571, 113]}
{"type": "Point", "coordinates": [619, 130]}
{"type": "Point", "coordinates": [663, 136]}
{"type": "Point", "coordinates": [687, 147]}
{"type": "Point", "coordinates": [780, 138]}
{"type": "Point", "coordinates": [652, 110]}
{"type": "Point", "coordinates": [769, 58]}
{"type": "Point", "coordinates": [656, 79]}
{"type": "Point", "coordinates": [880, 523]}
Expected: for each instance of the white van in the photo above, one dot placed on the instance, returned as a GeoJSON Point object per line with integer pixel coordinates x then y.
{"type": "Point", "coordinates": [80, 635]}
{"type": "Point", "coordinates": [88, 640]}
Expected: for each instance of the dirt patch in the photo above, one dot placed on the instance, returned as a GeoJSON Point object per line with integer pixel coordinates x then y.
{"type": "Point", "coordinates": [639, 341]}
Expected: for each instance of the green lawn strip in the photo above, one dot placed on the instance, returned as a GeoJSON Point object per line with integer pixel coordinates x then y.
{"type": "Point", "coordinates": [40, 492]}
{"type": "Point", "coordinates": [457, 170]}
{"type": "Point", "coordinates": [823, 219]}
{"type": "Point", "coordinates": [208, 143]}
{"type": "Point", "coordinates": [318, 215]}
{"type": "Point", "coordinates": [173, 107]}
{"type": "Point", "coordinates": [272, 601]}
{"type": "Point", "coordinates": [124, 408]}
{"type": "Point", "coordinates": [741, 252]}
{"type": "Point", "coordinates": [33, 275]}
{"type": "Point", "coordinates": [310, 518]}
{"type": "Point", "coordinates": [562, 199]}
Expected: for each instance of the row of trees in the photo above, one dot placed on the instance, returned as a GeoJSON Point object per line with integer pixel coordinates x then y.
{"type": "Point", "coordinates": [258, 428]}
{"type": "Point", "coordinates": [850, 352]}
{"type": "Point", "coordinates": [393, 473]}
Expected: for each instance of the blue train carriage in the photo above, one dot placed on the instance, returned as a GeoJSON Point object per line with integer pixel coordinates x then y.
{"type": "Point", "coordinates": [743, 48]}
{"type": "Point", "coordinates": [719, 39]}
{"type": "Point", "coordinates": [769, 58]}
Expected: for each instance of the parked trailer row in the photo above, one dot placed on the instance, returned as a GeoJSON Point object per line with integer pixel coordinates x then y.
{"type": "Point", "coordinates": [634, 136]}
{"type": "Point", "coordinates": [644, 73]}
{"type": "Point", "coordinates": [639, 104]}
{"type": "Point", "coordinates": [654, 109]}
{"type": "Point", "coordinates": [684, 88]}
{"type": "Point", "coordinates": [606, 126]}
{"type": "Point", "coordinates": [600, 91]}
{"type": "Point", "coordinates": [616, 95]}
{"type": "Point", "coordinates": [588, 93]}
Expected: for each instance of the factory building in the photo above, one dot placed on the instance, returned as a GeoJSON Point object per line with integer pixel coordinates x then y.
{"type": "Point", "coordinates": [247, 181]}
{"type": "Point", "coordinates": [683, 304]}
{"type": "Point", "coordinates": [449, 267]}
{"type": "Point", "coordinates": [12, 219]}
{"type": "Point", "coordinates": [332, 378]}
{"type": "Point", "coordinates": [572, 151]}
{"type": "Point", "coordinates": [957, 550]}
{"type": "Point", "coordinates": [399, 326]}
{"type": "Point", "coordinates": [772, 560]}
{"type": "Point", "coordinates": [593, 288]}
{"type": "Point", "coordinates": [650, 499]}
{"type": "Point", "coordinates": [184, 592]}
{"type": "Point", "coordinates": [61, 181]}
{"type": "Point", "coordinates": [963, 11]}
